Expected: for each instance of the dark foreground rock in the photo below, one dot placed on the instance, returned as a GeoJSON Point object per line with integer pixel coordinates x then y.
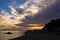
{"type": "Point", "coordinates": [38, 35]}
{"type": "Point", "coordinates": [53, 26]}
{"type": "Point", "coordinates": [51, 31]}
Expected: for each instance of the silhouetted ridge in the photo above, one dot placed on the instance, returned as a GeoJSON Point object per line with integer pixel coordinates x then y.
{"type": "Point", "coordinates": [53, 26]}
{"type": "Point", "coordinates": [30, 35]}
{"type": "Point", "coordinates": [37, 35]}
{"type": "Point", "coordinates": [47, 33]}
{"type": "Point", "coordinates": [32, 32]}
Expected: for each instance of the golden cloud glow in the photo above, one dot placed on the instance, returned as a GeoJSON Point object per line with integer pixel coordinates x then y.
{"type": "Point", "coordinates": [34, 27]}
{"type": "Point", "coordinates": [31, 8]}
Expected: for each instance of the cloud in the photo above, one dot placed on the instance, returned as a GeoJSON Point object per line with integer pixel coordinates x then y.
{"type": "Point", "coordinates": [29, 9]}
{"type": "Point", "coordinates": [52, 12]}
{"type": "Point", "coordinates": [34, 7]}
{"type": "Point", "coordinates": [13, 3]}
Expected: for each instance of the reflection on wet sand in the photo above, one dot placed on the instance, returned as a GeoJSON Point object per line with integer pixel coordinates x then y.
{"type": "Point", "coordinates": [14, 34]}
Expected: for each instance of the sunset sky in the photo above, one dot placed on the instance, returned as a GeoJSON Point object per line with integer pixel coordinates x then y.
{"type": "Point", "coordinates": [24, 12]}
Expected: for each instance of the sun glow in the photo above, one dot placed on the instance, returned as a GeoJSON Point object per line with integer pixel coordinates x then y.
{"type": "Point", "coordinates": [34, 27]}
{"type": "Point", "coordinates": [30, 8]}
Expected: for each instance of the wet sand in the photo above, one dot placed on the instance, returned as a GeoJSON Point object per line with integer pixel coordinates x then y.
{"type": "Point", "coordinates": [14, 34]}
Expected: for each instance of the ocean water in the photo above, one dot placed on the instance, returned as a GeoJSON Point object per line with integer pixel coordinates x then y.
{"type": "Point", "coordinates": [4, 36]}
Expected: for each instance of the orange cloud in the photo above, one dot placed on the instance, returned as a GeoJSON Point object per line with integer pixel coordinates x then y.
{"type": "Point", "coordinates": [33, 27]}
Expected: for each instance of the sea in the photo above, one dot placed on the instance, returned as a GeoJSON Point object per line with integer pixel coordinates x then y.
{"type": "Point", "coordinates": [14, 34]}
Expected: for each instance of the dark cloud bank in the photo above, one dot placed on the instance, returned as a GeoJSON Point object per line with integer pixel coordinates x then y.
{"type": "Point", "coordinates": [52, 12]}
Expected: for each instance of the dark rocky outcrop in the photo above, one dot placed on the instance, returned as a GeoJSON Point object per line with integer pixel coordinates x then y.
{"type": "Point", "coordinates": [52, 26]}
{"type": "Point", "coordinates": [47, 33]}
{"type": "Point", "coordinates": [8, 33]}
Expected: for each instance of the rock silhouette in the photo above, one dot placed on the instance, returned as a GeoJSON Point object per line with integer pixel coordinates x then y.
{"type": "Point", "coordinates": [52, 26]}
{"type": "Point", "coordinates": [8, 33]}
{"type": "Point", "coordinates": [47, 33]}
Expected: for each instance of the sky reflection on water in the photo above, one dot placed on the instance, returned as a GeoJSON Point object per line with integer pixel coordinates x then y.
{"type": "Point", "coordinates": [14, 34]}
